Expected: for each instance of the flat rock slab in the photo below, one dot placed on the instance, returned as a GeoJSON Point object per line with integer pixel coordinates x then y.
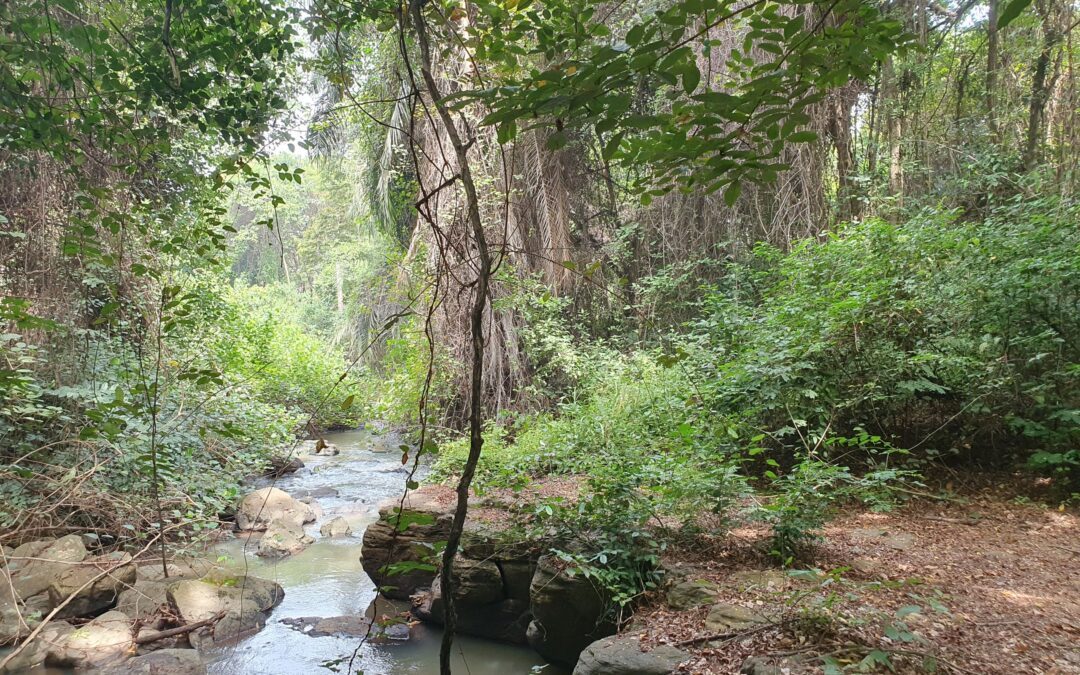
{"type": "Point", "coordinates": [894, 539]}
{"type": "Point", "coordinates": [622, 655]}
{"type": "Point", "coordinates": [724, 618]}
{"type": "Point", "coordinates": [346, 626]}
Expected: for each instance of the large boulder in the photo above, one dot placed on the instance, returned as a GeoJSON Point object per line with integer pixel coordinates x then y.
{"type": "Point", "coordinates": [282, 538]}
{"type": "Point", "coordinates": [622, 655]}
{"type": "Point", "coordinates": [399, 553]}
{"type": "Point", "coordinates": [569, 613]}
{"type": "Point", "coordinates": [93, 585]}
{"type": "Point", "coordinates": [149, 593]}
{"type": "Point", "coordinates": [243, 600]}
{"type": "Point", "coordinates": [163, 662]}
{"type": "Point", "coordinates": [35, 565]}
{"type": "Point", "coordinates": [260, 508]}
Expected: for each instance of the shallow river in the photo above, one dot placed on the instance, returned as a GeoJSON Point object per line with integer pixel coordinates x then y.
{"type": "Point", "coordinates": [327, 579]}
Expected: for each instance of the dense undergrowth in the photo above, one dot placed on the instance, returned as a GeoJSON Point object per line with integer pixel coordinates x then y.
{"type": "Point", "coordinates": [837, 371]}
{"type": "Point", "coordinates": [235, 379]}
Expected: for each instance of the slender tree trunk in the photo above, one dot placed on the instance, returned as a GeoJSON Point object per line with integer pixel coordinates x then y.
{"type": "Point", "coordinates": [476, 322]}
{"type": "Point", "coordinates": [992, 70]}
{"type": "Point", "coordinates": [339, 282]}
{"type": "Point", "coordinates": [840, 123]}
{"type": "Point", "coordinates": [1039, 94]}
{"type": "Point", "coordinates": [893, 131]}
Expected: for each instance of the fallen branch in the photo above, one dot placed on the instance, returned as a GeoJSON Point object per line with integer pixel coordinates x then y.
{"type": "Point", "coordinates": [726, 636]}
{"type": "Point", "coordinates": [957, 521]}
{"type": "Point", "coordinates": [179, 630]}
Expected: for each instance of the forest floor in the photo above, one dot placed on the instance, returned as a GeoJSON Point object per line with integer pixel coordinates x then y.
{"type": "Point", "coordinates": [984, 583]}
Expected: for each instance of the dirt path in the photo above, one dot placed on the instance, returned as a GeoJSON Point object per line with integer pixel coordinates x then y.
{"type": "Point", "coordinates": [982, 586]}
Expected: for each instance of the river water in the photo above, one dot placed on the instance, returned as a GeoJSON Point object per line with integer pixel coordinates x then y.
{"type": "Point", "coordinates": [327, 579]}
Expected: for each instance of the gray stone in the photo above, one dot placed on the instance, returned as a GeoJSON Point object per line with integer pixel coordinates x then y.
{"type": "Point", "coordinates": [282, 465]}
{"type": "Point", "coordinates": [179, 568]}
{"type": "Point", "coordinates": [477, 582]}
{"type": "Point", "coordinates": [622, 655]}
{"type": "Point", "coordinates": [89, 598]}
{"type": "Point", "coordinates": [723, 617]}
{"type": "Point", "coordinates": [505, 620]}
{"type": "Point", "coordinates": [245, 601]}
{"type": "Point", "coordinates": [144, 598]}
{"type": "Point", "coordinates": [15, 623]}
{"type": "Point", "coordinates": [163, 662]}
{"type": "Point", "coordinates": [338, 527]}
{"type": "Point", "coordinates": [282, 538]}
{"type": "Point", "coordinates": [37, 564]}
{"type": "Point", "coordinates": [49, 647]}
{"type": "Point", "coordinates": [258, 509]}
{"type": "Point", "coordinates": [314, 506]}
{"type": "Point", "coordinates": [199, 600]}
{"type": "Point", "coordinates": [352, 626]}
{"type": "Point", "coordinates": [569, 613]}
{"type": "Point", "coordinates": [691, 593]}
{"type": "Point", "coordinates": [105, 640]}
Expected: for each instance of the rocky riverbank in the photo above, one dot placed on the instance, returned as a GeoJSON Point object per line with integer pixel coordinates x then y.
{"type": "Point", "coordinates": [108, 612]}
{"type": "Point", "coordinates": [505, 589]}
{"type": "Point", "coordinates": [67, 603]}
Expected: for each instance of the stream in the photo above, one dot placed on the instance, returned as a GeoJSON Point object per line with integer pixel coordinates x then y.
{"type": "Point", "coordinates": [327, 579]}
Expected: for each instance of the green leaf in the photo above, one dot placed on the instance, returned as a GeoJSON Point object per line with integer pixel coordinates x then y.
{"type": "Point", "coordinates": [556, 141]}
{"type": "Point", "coordinates": [731, 194]}
{"type": "Point", "coordinates": [1011, 11]}
{"type": "Point", "coordinates": [691, 77]}
{"type": "Point", "coordinates": [347, 403]}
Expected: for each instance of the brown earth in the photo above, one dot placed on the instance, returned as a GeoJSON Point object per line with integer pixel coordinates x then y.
{"type": "Point", "coordinates": [995, 582]}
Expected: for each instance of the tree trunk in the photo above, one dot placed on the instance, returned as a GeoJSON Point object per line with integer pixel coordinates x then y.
{"type": "Point", "coordinates": [1039, 94]}
{"type": "Point", "coordinates": [476, 323]}
{"type": "Point", "coordinates": [992, 70]}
